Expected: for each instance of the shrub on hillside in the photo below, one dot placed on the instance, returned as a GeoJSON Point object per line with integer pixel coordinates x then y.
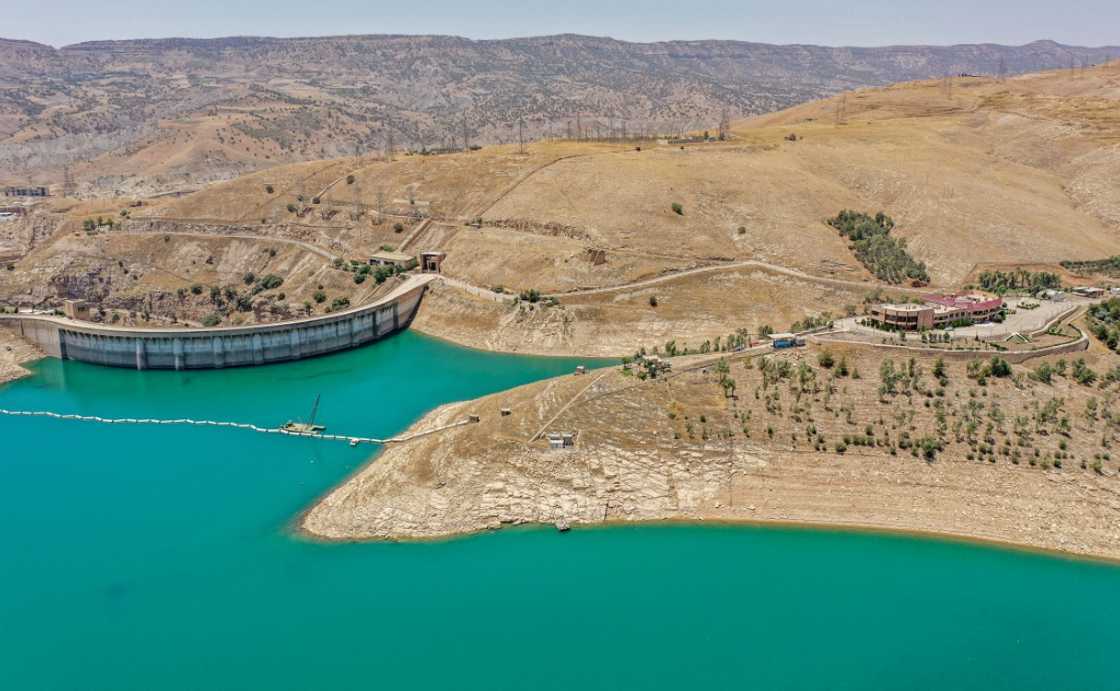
{"type": "Point", "coordinates": [1104, 322]}
{"type": "Point", "coordinates": [270, 282]}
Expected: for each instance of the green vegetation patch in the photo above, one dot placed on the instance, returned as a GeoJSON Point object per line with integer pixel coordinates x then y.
{"type": "Point", "coordinates": [1032, 282]}
{"type": "Point", "coordinates": [875, 248]}
{"type": "Point", "coordinates": [1104, 322]}
{"type": "Point", "coordinates": [1106, 267]}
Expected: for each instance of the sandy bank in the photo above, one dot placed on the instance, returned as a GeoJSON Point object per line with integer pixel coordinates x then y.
{"type": "Point", "coordinates": [634, 460]}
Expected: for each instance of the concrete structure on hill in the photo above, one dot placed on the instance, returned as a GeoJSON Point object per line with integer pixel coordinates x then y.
{"type": "Point", "coordinates": [432, 261]}
{"type": "Point", "coordinates": [392, 258]}
{"type": "Point", "coordinates": [215, 348]}
{"type": "Point", "coordinates": [76, 309]}
{"type": "Point", "coordinates": [937, 312]}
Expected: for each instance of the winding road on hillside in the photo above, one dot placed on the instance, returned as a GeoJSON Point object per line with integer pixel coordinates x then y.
{"type": "Point", "coordinates": [731, 267]}
{"type": "Point", "coordinates": [483, 291]}
{"type": "Point", "coordinates": [236, 236]}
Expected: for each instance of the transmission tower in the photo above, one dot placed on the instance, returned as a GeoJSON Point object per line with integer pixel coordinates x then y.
{"type": "Point", "coordinates": [69, 187]}
{"type": "Point", "coordinates": [358, 207]}
{"type": "Point", "coordinates": [521, 134]}
{"type": "Point", "coordinates": [1002, 69]}
{"type": "Point", "coordinates": [466, 137]}
{"type": "Point", "coordinates": [842, 110]}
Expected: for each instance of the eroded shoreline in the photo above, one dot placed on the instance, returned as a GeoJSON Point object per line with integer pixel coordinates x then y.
{"type": "Point", "coordinates": [628, 468]}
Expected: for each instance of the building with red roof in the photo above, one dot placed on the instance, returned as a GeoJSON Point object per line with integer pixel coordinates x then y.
{"type": "Point", "coordinates": [938, 312]}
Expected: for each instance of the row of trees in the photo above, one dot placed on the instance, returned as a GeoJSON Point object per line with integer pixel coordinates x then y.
{"type": "Point", "coordinates": [1033, 282]}
{"type": "Point", "coordinates": [89, 225]}
{"type": "Point", "coordinates": [1108, 267]}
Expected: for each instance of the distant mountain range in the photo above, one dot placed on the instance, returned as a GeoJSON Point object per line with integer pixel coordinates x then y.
{"type": "Point", "coordinates": [217, 107]}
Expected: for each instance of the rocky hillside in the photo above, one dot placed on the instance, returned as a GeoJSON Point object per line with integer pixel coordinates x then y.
{"type": "Point", "coordinates": [638, 244]}
{"type": "Point", "coordinates": [150, 115]}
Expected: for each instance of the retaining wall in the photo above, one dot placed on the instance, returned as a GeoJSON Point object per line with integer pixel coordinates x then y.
{"type": "Point", "coordinates": [220, 347]}
{"type": "Point", "coordinates": [1012, 356]}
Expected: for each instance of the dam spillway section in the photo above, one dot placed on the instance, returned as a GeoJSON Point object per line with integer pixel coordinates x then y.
{"type": "Point", "coordinates": [219, 347]}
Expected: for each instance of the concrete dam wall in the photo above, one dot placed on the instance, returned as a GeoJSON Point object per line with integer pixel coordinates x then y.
{"type": "Point", "coordinates": [213, 348]}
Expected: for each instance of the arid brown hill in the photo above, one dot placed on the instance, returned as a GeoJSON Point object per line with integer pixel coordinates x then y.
{"type": "Point", "coordinates": [985, 174]}
{"type": "Point", "coordinates": [146, 115]}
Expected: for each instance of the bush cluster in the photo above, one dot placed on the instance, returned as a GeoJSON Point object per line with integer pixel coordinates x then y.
{"type": "Point", "coordinates": [882, 254]}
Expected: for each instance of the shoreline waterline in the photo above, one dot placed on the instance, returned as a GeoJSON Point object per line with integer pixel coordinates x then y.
{"type": "Point", "coordinates": [174, 548]}
{"type": "Point", "coordinates": [299, 532]}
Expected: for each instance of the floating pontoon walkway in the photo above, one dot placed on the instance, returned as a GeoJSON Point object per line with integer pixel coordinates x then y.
{"type": "Point", "coordinates": [353, 441]}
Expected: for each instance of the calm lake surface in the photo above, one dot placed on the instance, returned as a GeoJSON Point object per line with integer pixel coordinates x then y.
{"type": "Point", "coordinates": [138, 557]}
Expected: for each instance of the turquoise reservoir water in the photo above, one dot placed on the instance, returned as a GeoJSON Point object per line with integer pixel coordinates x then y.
{"type": "Point", "coordinates": [161, 558]}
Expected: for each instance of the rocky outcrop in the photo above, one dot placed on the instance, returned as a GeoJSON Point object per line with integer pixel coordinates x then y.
{"type": "Point", "coordinates": [14, 353]}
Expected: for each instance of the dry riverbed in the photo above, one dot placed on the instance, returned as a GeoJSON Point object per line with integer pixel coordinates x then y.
{"type": "Point", "coordinates": [679, 449]}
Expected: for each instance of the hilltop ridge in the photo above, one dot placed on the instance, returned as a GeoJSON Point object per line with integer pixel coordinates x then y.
{"type": "Point", "coordinates": [145, 115]}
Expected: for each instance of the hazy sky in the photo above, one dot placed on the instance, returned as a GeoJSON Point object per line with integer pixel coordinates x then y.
{"type": "Point", "coordinates": [827, 22]}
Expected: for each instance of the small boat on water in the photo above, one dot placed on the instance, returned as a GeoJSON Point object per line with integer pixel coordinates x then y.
{"type": "Point", "coordinates": [306, 427]}
{"type": "Point", "coordinates": [302, 427]}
